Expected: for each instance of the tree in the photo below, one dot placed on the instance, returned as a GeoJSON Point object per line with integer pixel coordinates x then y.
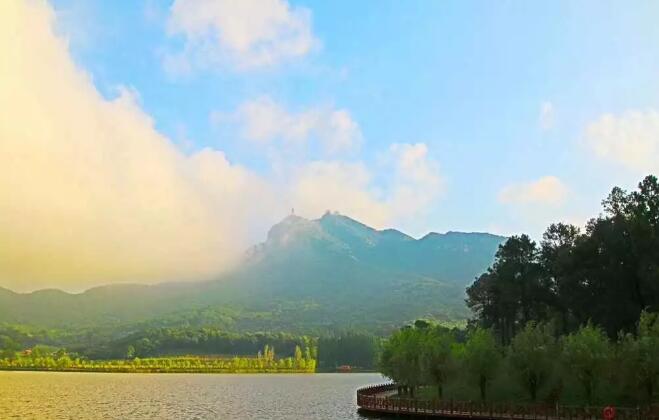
{"type": "Point", "coordinates": [8, 347]}
{"type": "Point", "coordinates": [298, 357]}
{"type": "Point", "coordinates": [484, 299]}
{"type": "Point", "coordinates": [560, 272]}
{"type": "Point", "coordinates": [620, 258]}
{"type": "Point", "coordinates": [400, 358]}
{"type": "Point", "coordinates": [531, 354]}
{"type": "Point", "coordinates": [130, 352]}
{"type": "Point", "coordinates": [144, 347]}
{"type": "Point", "coordinates": [481, 358]}
{"type": "Point", "coordinates": [586, 354]}
{"type": "Point", "coordinates": [608, 274]}
{"type": "Point", "coordinates": [511, 292]}
{"type": "Point", "coordinates": [640, 354]}
{"type": "Point", "coordinates": [436, 356]}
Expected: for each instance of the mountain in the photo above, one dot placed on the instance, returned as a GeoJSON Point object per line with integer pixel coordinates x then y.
{"type": "Point", "coordinates": [333, 272]}
{"type": "Point", "coordinates": [454, 257]}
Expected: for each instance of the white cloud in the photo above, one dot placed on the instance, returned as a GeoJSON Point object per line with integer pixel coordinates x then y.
{"type": "Point", "coordinates": [417, 181]}
{"type": "Point", "coordinates": [548, 190]}
{"type": "Point", "coordinates": [630, 140]}
{"type": "Point", "coordinates": [263, 121]}
{"type": "Point", "coordinates": [90, 192]}
{"type": "Point", "coordinates": [546, 118]}
{"type": "Point", "coordinates": [245, 34]}
{"type": "Point", "coordinates": [350, 188]}
{"type": "Point", "coordinates": [338, 186]}
{"type": "Point", "coordinates": [534, 205]}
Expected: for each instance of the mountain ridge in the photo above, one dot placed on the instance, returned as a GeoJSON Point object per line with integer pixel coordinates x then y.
{"type": "Point", "coordinates": [338, 270]}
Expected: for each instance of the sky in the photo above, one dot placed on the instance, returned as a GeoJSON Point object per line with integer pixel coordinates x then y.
{"type": "Point", "coordinates": [157, 140]}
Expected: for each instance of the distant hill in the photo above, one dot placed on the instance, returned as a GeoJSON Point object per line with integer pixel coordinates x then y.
{"type": "Point", "coordinates": [333, 272]}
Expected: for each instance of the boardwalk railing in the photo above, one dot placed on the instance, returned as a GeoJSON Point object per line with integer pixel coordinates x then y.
{"type": "Point", "coordinates": [376, 398]}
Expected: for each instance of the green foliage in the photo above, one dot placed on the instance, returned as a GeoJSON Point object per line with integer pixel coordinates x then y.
{"type": "Point", "coordinates": [581, 368]}
{"type": "Point", "coordinates": [8, 347]}
{"type": "Point", "coordinates": [640, 355]}
{"type": "Point", "coordinates": [516, 274]}
{"type": "Point", "coordinates": [401, 357]}
{"type": "Point", "coordinates": [532, 354]}
{"type": "Point", "coordinates": [437, 357]}
{"type": "Point", "coordinates": [62, 361]}
{"type": "Point", "coordinates": [604, 277]}
{"type": "Point", "coordinates": [481, 357]}
{"type": "Point", "coordinates": [152, 342]}
{"type": "Point", "coordinates": [422, 354]}
{"type": "Point", "coordinates": [130, 352]}
{"type": "Point", "coordinates": [608, 274]}
{"type": "Point", "coordinates": [155, 343]}
{"type": "Point", "coordinates": [586, 354]}
{"type": "Point", "coordinates": [349, 348]}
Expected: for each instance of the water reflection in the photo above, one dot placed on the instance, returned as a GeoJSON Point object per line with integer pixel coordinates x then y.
{"type": "Point", "coordinates": [46, 395]}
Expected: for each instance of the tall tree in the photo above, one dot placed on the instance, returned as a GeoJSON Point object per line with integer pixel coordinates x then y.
{"type": "Point", "coordinates": [608, 274]}
{"type": "Point", "coordinates": [558, 264]}
{"type": "Point", "coordinates": [511, 292]}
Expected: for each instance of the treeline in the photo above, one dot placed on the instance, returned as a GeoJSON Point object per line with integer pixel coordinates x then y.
{"type": "Point", "coordinates": [113, 342]}
{"type": "Point", "coordinates": [582, 367]}
{"type": "Point", "coordinates": [607, 274]}
{"type": "Point", "coordinates": [45, 358]}
{"type": "Point", "coordinates": [201, 341]}
{"type": "Point", "coordinates": [15, 337]}
{"type": "Point", "coordinates": [356, 349]}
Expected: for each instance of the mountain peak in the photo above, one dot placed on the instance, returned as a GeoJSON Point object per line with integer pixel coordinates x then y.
{"type": "Point", "coordinates": [291, 225]}
{"type": "Point", "coordinates": [338, 218]}
{"type": "Point", "coordinates": [293, 218]}
{"type": "Point", "coordinates": [395, 233]}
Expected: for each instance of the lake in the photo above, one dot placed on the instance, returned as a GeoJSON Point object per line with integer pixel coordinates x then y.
{"type": "Point", "coordinates": [55, 395]}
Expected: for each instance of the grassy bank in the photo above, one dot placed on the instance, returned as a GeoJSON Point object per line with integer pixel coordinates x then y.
{"type": "Point", "coordinates": [187, 364]}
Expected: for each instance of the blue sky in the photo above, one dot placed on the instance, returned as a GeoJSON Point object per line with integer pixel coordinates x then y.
{"type": "Point", "coordinates": [468, 79]}
{"type": "Point", "coordinates": [419, 115]}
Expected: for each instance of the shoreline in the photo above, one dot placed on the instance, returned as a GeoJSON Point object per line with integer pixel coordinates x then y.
{"type": "Point", "coordinates": [205, 372]}
{"type": "Point", "coordinates": [162, 371]}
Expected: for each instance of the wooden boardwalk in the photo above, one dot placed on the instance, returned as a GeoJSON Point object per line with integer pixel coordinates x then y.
{"type": "Point", "coordinates": [377, 399]}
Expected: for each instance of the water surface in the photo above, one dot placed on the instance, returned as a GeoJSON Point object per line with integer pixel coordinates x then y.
{"type": "Point", "coordinates": [60, 395]}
